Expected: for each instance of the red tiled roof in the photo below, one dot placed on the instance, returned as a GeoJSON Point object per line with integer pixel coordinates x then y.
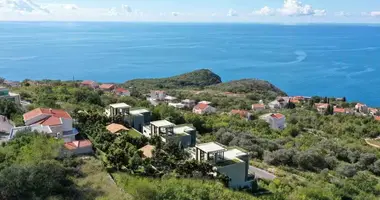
{"type": "Point", "coordinates": [293, 100]}
{"type": "Point", "coordinates": [339, 110]}
{"type": "Point", "coordinates": [147, 151]}
{"type": "Point", "coordinates": [106, 86]}
{"type": "Point", "coordinates": [377, 118]}
{"type": "Point", "coordinates": [88, 82]}
{"type": "Point", "coordinates": [114, 128]}
{"type": "Point", "coordinates": [242, 113]}
{"type": "Point", "coordinates": [258, 105]}
{"type": "Point", "coordinates": [78, 144]}
{"type": "Point", "coordinates": [201, 106]}
{"type": "Point", "coordinates": [121, 90]}
{"type": "Point", "coordinates": [277, 115]}
{"type": "Point", "coordinates": [50, 121]}
{"type": "Point", "coordinates": [299, 98]}
{"type": "Point", "coordinates": [46, 111]}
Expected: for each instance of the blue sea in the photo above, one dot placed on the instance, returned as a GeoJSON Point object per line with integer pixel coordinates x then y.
{"type": "Point", "coordinates": [326, 60]}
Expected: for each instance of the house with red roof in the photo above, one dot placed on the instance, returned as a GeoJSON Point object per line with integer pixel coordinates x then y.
{"type": "Point", "coordinates": [244, 114]}
{"type": "Point", "coordinates": [321, 107]}
{"type": "Point", "coordinates": [78, 147]}
{"type": "Point", "coordinates": [377, 118]}
{"type": "Point", "coordinates": [55, 122]}
{"type": "Point", "coordinates": [258, 107]}
{"type": "Point", "coordinates": [107, 87]}
{"type": "Point", "coordinates": [90, 84]}
{"type": "Point", "coordinates": [275, 120]}
{"type": "Point", "coordinates": [339, 110]}
{"type": "Point", "coordinates": [202, 108]}
{"type": "Point", "coordinates": [122, 92]}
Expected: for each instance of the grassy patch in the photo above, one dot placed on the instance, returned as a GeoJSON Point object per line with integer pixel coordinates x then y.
{"type": "Point", "coordinates": [96, 179]}
{"type": "Point", "coordinates": [134, 133]}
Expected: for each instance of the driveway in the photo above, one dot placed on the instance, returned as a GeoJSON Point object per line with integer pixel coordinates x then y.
{"type": "Point", "coordinates": [261, 174]}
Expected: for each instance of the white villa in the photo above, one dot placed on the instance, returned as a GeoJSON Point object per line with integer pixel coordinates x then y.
{"type": "Point", "coordinates": [5, 94]}
{"type": "Point", "coordinates": [185, 135]}
{"type": "Point", "coordinates": [362, 108]}
{"type": "Point", "coordinates": [116, 109]}
{"type": "Point", "coordinates": [54, 122]}
{"type": "Point", "coordinates": [276, 121]}
{"type": "Point", "coordinates": [233, 162]}
{"type": "Point", "coordinates": [188, 103]}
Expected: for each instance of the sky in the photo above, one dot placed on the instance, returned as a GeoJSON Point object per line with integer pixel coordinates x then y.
{"type": "Point", "coordinates": [260, 11]}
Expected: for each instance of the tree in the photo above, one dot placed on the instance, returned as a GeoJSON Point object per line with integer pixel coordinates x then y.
{"type": "Point", "coordinates": [117, 157]}
{"type": "Point", "coordinates": [9, 108]}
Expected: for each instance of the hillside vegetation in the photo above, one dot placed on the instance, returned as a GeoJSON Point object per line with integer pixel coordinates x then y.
{"type": "Point", "coordinates": [247, 86]}
{"type": "Point", "coordinates": [198, 78]}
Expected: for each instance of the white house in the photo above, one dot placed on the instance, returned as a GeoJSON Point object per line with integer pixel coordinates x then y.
{"type": "Point", "coordinates": [170, 99]}
{"type": "Point", "coordinates": [188, 103]}
{"type": "Point", "coordinates": [275, 105]}
{"type": "Point", "coordinates": [232, 162]}
{"type": "Point", "coordinates": [201, 109]}
{"type": "Point", "coordinates": [276, 121]}
{"type": "Point", "coordinates": [321, 107]}
{"type": "Point", "coordinates": [121, 109]}
{"type": "Point", "coordinates": [158, 95]}
{"type": "Point", "coordinates": [55, 122]}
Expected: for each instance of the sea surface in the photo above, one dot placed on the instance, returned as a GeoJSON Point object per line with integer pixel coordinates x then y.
{"type": "Point", "coordinates": [327, 60]}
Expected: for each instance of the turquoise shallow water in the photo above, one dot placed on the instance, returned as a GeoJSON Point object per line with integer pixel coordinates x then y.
{"type": "Point", "coordinates": [328, 60]}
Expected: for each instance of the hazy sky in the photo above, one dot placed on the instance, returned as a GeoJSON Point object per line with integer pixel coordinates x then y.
{"type": "Point", "coordinates": [277, 11]}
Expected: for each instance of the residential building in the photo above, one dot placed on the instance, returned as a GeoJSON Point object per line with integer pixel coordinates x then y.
{"type": "Point", "coordinates": [122, 92]}
{"type": "Point", "coordinates": [373, 111]}
{"type": "Point", "coordinates": [5, 125]}
{"type": "Point", "coordinates": [202, 108]}
{"type": "Point", "coordinates": [177, 105]}
{"type": "Point", "coordinates": [339, 110]}
{"type": "Point", "coordinates": [258, 107]}
{"type": "Point", "coordinates": [188, 103]}
{"type": "Point", "coordinates": [90, 84]}
{"type": "Point", "coordinates": [276, 121]}
{"type": "Point", "coordinates": [277, 104]}
{"type": "Point", "coordinates": [233, 162]}
{"type": "Point", "coordinates": [107, 87]}
{"type": "Point", "coordinates": [170, 99]}
{"type": "Point", "coordinates": [147, 151]}
{"type": "Point", "coordinates": [158, 95]}
{"type": "Point", "coordinates": [54, 122]}
{"type": "Point", "coordinates": [117, 109]}
{"type": "Point", "coordinates": [321, 107]}
{"type": "Point", "coordinates": [362, 108]}
{"type": "Point", "coordinates": [184, 135]}
{"type": "Point", "coordinates": [244, 114]}
{"type": "Point", "coordinates": [116, 128]}
{"type": "Point", "coordinates": [377, 118]}
{"type": "Point", "coordinates": [5, 94]}
{"type": "Point", "coordinates": [12, 83]}
{"type": "Point", "coordinates": [78, 147]}
{"type": "Point", "coordinates": [138, 118]}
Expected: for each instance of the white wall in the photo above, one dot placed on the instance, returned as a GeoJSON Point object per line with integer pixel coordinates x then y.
{"type": "Point", "coordinates": [236, 172]}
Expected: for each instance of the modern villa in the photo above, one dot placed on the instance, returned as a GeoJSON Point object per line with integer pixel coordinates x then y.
{"type": "Point", "coordinates": [5, 94]}
{"type": "Point", "coordinates": [135, 117]}
{"type": "Point", "coordinates": [185, 135]}
{"type": "Point", "coordinates": [232, 162]}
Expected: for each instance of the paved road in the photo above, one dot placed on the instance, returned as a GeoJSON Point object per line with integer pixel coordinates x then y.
{"type": "Point", "coordinates": [261, 174]}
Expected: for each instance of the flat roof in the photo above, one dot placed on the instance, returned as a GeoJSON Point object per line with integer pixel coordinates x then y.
{"type": "Point", "coordinates": [210, 147]}
{"type": "Point", "coordinates": [120, 105]}
{"type": "Point", "coordinates": [138, 111]}
{"type": "Point", "coordinates": [182, 129]}
{"type": "Point", "coordinates": [162, 123]}
{"type": "Point", "coordinates": [234, 153]}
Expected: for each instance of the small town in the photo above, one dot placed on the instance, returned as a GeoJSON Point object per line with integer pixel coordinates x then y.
{"type": "Point", "coordinates": [160, 133]}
